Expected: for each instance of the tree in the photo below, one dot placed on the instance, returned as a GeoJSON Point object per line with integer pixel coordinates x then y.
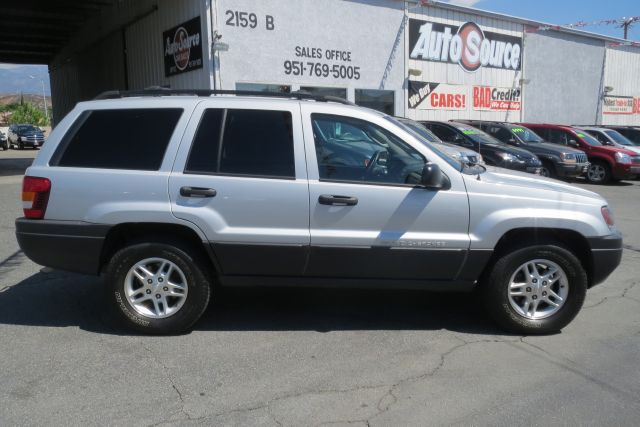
{"type": "Point", "coordinates": [28, 113]}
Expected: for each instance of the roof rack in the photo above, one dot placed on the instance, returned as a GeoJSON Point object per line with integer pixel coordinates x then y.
{"type": "Point", "coordinates": [115, 94]}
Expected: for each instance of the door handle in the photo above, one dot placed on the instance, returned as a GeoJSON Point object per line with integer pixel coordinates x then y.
{"type": "Point", "coordinates": [197, 192]}
{"type": "Point", "coordinates": [329, 199]}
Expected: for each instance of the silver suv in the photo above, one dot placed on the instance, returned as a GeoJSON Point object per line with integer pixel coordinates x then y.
{"type": "Point", "coordinates": [171, 194]}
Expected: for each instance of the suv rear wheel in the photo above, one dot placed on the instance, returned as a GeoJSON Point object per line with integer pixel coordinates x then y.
{"type": "Point", "coordinates": [157, 288]}
{"type": "Point", "coordinates": [536, 289]}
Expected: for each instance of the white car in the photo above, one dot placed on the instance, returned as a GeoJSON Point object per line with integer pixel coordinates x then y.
{"type": "Point", "coordinates": [611, 138]}
{"type": "Point", "coordinates": [458, 153]}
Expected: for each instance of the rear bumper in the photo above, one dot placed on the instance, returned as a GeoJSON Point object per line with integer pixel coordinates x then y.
{"type": "Point", "coordinates": [65, 245]}
{"type": "Point", "coordinates": [606, 253]}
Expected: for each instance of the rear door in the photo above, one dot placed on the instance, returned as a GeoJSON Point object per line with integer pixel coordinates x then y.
{"type": "Point", "coordinates": [369, 219]}
{"type": "Point", "coordinates": [243, 182]}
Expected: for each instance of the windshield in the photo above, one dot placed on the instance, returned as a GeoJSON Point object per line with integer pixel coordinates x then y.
{"type": "Point", "coordinates": [418, 128]}
{"type": "Point", "coordinates": [588, 138]}
{"type": "Point", "coordinates": [526, 134]}
{"type": "Point", "coordinates": [26, 128]}
{"type": "Point", "coordinates": [476, 135]}
{"type": "Point", "coordinates": [617, 137]}
{"type": "Point", "coordinates": [413, 128]}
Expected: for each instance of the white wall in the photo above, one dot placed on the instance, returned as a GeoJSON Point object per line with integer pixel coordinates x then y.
{"type": "Point", "coordinates": [371, 31]}
{"type": "Point", "coordinates": [622, 72]}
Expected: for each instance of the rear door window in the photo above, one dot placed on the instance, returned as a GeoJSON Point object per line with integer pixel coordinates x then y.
{"type": "Point", "coordinates": [243, 142]}
{"type": "Point", "coordinates": [133, 139]}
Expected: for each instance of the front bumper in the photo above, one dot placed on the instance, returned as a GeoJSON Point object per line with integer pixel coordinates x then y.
{"type": "Point", "coordinates": [621, 171]}
{"type": "Point", "coordinates": [606, 254]}
{"type": "Point", "coordinates": [65, 245]}
{"type": "Point", "coordinates": [572, 169]}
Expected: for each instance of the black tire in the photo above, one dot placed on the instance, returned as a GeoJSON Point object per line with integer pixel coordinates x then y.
{"type": "Point", "coordinates": [548, 169]}
{"type": "Point", "coordinates": [197, 280]}
{"type": "Point", "coordinates": [20, 145]}
{"type": "Point", "coordinates": [601, 178]}
{"type": "Point", "coordinates": [496, 285]}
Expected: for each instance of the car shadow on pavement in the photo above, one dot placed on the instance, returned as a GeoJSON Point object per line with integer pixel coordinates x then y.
{"type": "Point", "coordinates": [14, 166]}
{"type": "Point", "coordinates": [59, 299]}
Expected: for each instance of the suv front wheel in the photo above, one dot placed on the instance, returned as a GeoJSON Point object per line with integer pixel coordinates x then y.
{"type": "Point", "coordinates": [536, 289]}
{"type": "Point", "coordinates": [157, 288]}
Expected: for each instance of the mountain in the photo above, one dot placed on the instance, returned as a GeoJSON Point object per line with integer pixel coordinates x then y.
{"type": "Point", "coordinates": [15, 79]}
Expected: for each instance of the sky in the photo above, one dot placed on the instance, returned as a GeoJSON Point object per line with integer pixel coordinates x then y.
{"type": "Point", "coordinates": [566, 12]}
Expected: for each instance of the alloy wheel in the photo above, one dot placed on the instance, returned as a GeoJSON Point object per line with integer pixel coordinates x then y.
{"type": "Point", "coordinates": [538, 289]}
{"type": "Point", "coordinates": [156, 288]}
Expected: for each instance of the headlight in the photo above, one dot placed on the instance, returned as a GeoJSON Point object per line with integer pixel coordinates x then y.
{"type": "Point", "coordinates": [508, 157]}
{"type": "Point", "coordinates": [568, 157]}
{"type": "Point", "coordinates": [480, 159]}
{"type": "Point", "coordinates": [625, 159]}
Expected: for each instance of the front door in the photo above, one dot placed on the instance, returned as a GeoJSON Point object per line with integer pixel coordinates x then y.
{"type": "Point", "coordinates": [368, 218]}
{"type": "Point", "coordinates": [243, 182]}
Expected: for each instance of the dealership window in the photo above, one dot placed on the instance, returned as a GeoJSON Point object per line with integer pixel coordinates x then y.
{"type": "Point", "coordinates": [254, 143]}
{"type": "Point", "coordinates": [326, 91]}
{"type": "Point", "coordinates": [260, 87]}
{"type": "Point", "coordinates": [381, 100]}
{"type": "Point", "coordinates": [355, 150]}
{"type": "Point", "coordinates": [93, 142]}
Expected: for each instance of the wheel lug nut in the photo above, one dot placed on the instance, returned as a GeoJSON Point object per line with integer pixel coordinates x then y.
{"type": "Point", "coordinates": [148, 291]}
{"type": "Point", "coordinates": [159, 279]}
{"type": "Point", "coordinates": [157, 296]}
{"type": "Point", "coordinates": [544, 283]}
{"type": "Point", "coordinates": [528, 289]}
{"type": "Point", "coordinates": [165, 289]}
{"type": "Point", "coordinates": [544, 294]}
{"type": "Point", "coordinates": [534, 297]}
{"type": "Point", "coordinates": [149, 281]}
{"type": "Point", "coordinates": [535, 280]}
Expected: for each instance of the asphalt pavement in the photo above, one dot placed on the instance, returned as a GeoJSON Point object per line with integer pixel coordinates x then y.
{"type": "Point", "coordinates": [312, 357]}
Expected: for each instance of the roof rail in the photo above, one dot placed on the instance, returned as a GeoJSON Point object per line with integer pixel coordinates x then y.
{"type": "Point", "coordinates": [115, 94]}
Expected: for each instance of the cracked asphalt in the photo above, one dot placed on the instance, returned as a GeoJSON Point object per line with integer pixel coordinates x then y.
{"type": "Point", "coordinates": [313, 357]}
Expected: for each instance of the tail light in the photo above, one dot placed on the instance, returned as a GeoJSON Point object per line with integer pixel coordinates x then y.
{"type": "Point", "coordinates": [35, 196]}
{"type": "Point", "coordinates": [607, 215]}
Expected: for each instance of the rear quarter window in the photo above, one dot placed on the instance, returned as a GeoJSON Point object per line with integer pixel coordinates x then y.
{"type": "Point", "coordinates": [133, 139]}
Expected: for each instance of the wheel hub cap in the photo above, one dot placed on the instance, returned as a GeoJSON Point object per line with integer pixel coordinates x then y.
{"type": "Point", "coordinates": [538, 289]}
{"type": "Point", "coordinates": [156, 288]}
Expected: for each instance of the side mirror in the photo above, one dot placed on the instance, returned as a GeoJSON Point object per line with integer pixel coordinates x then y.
{"type": "Point", "coordinates": [512, 141]}
{"type": "Point", "coordinates": [573, 143]}
{"type": "Point", "coordinates": [433, 178]}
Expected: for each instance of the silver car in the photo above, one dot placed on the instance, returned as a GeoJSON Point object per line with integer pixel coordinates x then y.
{"type": "Point", "coordinates": [298, 190]}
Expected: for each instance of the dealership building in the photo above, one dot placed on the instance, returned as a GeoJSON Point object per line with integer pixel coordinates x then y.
{"type": "Point", "coordinates": [418, 59]}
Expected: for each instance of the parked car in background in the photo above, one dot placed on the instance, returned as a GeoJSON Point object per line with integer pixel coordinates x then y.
{"type": "Point", "coordinates": [632, 133]}
{"type": "Point", "coordinates": [22, 136]}
{"type": "Point", "coordinates": [610, 137]}
{"type": "Point", "coordinates": [607, 163]}
{"type": "Point", "coordinates": [494, 152]}
{"type": "Point", "coordinates": [557, 162]}
{"type": "Point", "coordinates": [458, 153]}
{"type": "Point", "coordinates": [4, 141]}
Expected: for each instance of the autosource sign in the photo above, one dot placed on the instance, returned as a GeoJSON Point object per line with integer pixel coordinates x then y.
{"type": "Point", "coordinates": [467, 45]}
{"type": "Point", "coordinates": [489, 98]}
{"type": "Point", "coordinates": [183, 48]}
{"type": "Point", "coordinates": [436, 96]}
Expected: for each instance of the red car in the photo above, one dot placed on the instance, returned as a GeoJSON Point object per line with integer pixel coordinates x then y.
{"type": "Point", "coordinates": [607, 162]}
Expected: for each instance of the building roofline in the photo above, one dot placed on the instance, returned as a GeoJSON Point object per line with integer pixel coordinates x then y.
{"type": "Point", "coordinates": [524, 21]}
